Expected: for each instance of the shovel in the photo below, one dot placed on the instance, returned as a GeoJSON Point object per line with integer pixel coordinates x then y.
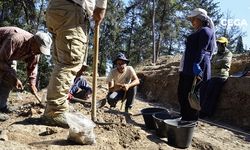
{"type": "Point", "coordinates": [193, 98]}
{"type": "Point", "coordinates": [99, 103]}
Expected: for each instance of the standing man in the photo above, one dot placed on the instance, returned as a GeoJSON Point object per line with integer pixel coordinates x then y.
{"type": "Point", "coordinates": [17, 44]}
{"type": "Point", "coordinates": [67, 20]}
{"type": "Point", "coordinates": [122, 82]}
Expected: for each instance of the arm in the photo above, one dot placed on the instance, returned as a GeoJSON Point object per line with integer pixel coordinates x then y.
{"type": "Point", "coordinates": [134, 80]}
{"type": "Point", "coordinates": [204, 41]}
{"type": "Point", "coordinates": [32, 69]}
{"type": "Point", "coordinates": [5, 64]}
{"type": "Point", "coordinates": [114, 87]}
{"type": "Point", "coordinates": [225, 62]}
{"type": "Point", "coordinates": [99, 11]}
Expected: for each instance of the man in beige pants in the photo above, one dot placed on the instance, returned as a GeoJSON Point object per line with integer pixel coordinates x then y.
{"type": "Point", "coordinates": [67, 20]}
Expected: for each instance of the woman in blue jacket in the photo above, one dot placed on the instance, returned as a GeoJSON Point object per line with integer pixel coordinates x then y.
{"type": "Point", "coordinates": [195, 63]}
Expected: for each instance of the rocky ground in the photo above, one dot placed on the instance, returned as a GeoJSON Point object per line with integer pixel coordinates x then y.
{"type": "Point", "coordinates": [117, 130]}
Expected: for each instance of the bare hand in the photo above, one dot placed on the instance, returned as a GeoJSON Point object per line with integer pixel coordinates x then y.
{"type": "Point", "coordinates": [19, 85]}
{"type": "Point", "coordinates": [33, 89]}
{"type": "Point", "coordinates": [125, 87]}
{"type": "Point", "coordinates": [98, 15]}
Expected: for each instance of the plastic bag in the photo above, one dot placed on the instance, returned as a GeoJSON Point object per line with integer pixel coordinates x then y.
{"type": "Point", "coordinates": [81, 129]}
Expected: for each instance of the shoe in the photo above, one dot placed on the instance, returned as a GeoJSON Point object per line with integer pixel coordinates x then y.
{"type": "Point", "coordinates": [128, 111]}
{"type": "Point", "coordinates": [4, 117]}
{"type": "Point", "coordinates": [59, 120]}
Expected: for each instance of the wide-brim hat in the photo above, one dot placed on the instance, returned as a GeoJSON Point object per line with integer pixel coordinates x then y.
{"type": "Point", "coordinates": [45, 42]}
{"type": "Point", "coordinates": [222, 40]}
{"type": "Point", "coordinates": [196, 12]}
{"type": "Point", "coordinates": [121, 56]}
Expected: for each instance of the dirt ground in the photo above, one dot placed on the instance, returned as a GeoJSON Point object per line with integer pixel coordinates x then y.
{"type": "Point", "coordinates": [25, 130]}
{"type": "Point", "coordinates": [118, 130]}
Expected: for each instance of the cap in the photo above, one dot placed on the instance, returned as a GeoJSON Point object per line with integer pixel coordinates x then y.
{"type": "Point", "coordinates": [222, 40]}
{"type": "Point", "coordinates": [45, 42]}
{"type": "Point", "coordinates": [121, 56]}
{"type": "Point", "coordinates": [196, 12]}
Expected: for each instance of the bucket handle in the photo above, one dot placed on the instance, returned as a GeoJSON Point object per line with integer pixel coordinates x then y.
{"type": "Point", "coordinates": [193, 124]}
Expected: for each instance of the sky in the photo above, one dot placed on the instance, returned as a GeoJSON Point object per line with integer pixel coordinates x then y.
{"type": "Point", "coordinates": [240, 11]}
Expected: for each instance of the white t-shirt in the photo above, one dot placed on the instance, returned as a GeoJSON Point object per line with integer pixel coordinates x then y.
{"type": "Point", "coordinates": [89, 5]}
{"type": "Point", "coordinates": [122, 78]}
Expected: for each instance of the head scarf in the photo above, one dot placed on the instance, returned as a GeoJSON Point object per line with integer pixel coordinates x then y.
{"type": "Point", "coordinates": [202, 15]}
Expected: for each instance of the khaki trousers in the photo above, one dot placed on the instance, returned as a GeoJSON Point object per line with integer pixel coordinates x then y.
{"type": "Point", "coordinates": [68, 25]}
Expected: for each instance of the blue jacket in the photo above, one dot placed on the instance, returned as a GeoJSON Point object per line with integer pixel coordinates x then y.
{"type": "Point", "coordinates": [81, 83]}
{"type": "Point", "coordinates": [199, 47]}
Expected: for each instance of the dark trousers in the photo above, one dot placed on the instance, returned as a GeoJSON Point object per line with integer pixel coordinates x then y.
{"type": "Point", "coordinates": [184, 87]}
{"type": "Point", "coordinates": [211, 96]}
{"type": "Point", "coordinates": [129, 97]}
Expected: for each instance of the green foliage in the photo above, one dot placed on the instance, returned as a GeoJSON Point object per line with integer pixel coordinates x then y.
{"type": "Point", "coordinates": [28, 15]}
{"type": "Point", "coordinates": [126, 28]}
{"type": "Point", "coordinates": [44, 71]}
{"type": "Point", "coordinates": [231, 32]}
{"type": "Point", "coordinates": [239, 46]}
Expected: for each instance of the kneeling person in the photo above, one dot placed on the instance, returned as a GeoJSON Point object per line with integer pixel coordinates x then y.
{"type": "Point", "coordinates": [80, 89]}
{"type": "Point", "coordinates": [122, 81]}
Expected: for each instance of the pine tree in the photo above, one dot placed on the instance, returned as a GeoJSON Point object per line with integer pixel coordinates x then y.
{"type": "Point", "coordinates": [239, 46]}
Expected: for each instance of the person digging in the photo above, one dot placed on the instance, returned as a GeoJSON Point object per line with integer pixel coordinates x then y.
{"type": "Point", "coordinates": [81, 91]}
{"type": "Point", "coordinates": [122, 82]}
{"type": "Point", "coordinates": [19, 45]}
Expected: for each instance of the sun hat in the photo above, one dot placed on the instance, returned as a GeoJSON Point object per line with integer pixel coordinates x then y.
{"type": "Point", "coordinates": [121, 56]}
{"type": "Point", "coordinates": [45, 42]}
{"type": "Point", "coordinates": [222, 40]}
{"type": "Point", "coordinates": [196, 12]}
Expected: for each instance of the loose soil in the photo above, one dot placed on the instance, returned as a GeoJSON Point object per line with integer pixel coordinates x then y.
{"type": "Point", "coordinates": [116, 130]}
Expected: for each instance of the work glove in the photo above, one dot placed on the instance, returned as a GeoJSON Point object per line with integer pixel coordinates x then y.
{"type": "Point", "coordinates": [197, 69]}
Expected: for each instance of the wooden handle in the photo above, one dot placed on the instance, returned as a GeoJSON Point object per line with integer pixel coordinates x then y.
{"type": "Point", "coordinates": [95, 71]}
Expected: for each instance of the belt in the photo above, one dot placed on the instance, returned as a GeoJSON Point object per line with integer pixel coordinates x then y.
{"type": "Point", "coordinates": [71, 1]}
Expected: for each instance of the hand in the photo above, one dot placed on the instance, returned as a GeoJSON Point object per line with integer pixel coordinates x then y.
{"type": "Point", "coordinates": [98, 15]}
{"type": "Point", "coordinates": [117, 87]}
{"type": "Point", "coordinates": [33, 89]}
{"type": "Point", "coordinates": [87, 95]}
{"type": "Point", "coordinates": [197, 69]}
{"type": "Point", "coordinates": [70, 96]}
{"type": "Point", "coordinates": [19, 85]}
{"type": "Point", "coordinates": [125, 87]}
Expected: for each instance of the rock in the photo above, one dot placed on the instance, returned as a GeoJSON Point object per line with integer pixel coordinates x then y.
{"type": "Point", "coordinates": [3, 135]}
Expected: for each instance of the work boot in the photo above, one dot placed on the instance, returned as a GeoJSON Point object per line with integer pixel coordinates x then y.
{"type": "Point", "coordinates": [4, 117]}
{"type": "Point", "coordinates": [59, 120]}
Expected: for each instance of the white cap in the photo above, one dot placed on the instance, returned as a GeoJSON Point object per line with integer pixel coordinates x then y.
{"type": "Point", "coordinates": [45, 42]}
{"type": "Point", "coordinates": [197, 11]}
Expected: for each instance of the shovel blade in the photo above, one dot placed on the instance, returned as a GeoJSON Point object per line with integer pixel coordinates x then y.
{"type": "Point", "coordinates": [194, 101]}
{"type": "Point", "coordinates": [99, 103]}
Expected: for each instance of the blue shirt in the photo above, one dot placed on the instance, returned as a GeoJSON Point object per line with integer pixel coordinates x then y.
{"type": "Point", "coordinates": [81, 83]}
{"type": "Point", "coordinates": [198, 45]}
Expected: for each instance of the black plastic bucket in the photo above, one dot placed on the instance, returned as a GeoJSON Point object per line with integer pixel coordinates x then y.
{"type": "Point", "coordinates": [179, 135]}
{"type": "Point", "coordinates": [147, 114]}
{"type": "Point", "coordinates": [160, 126]}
